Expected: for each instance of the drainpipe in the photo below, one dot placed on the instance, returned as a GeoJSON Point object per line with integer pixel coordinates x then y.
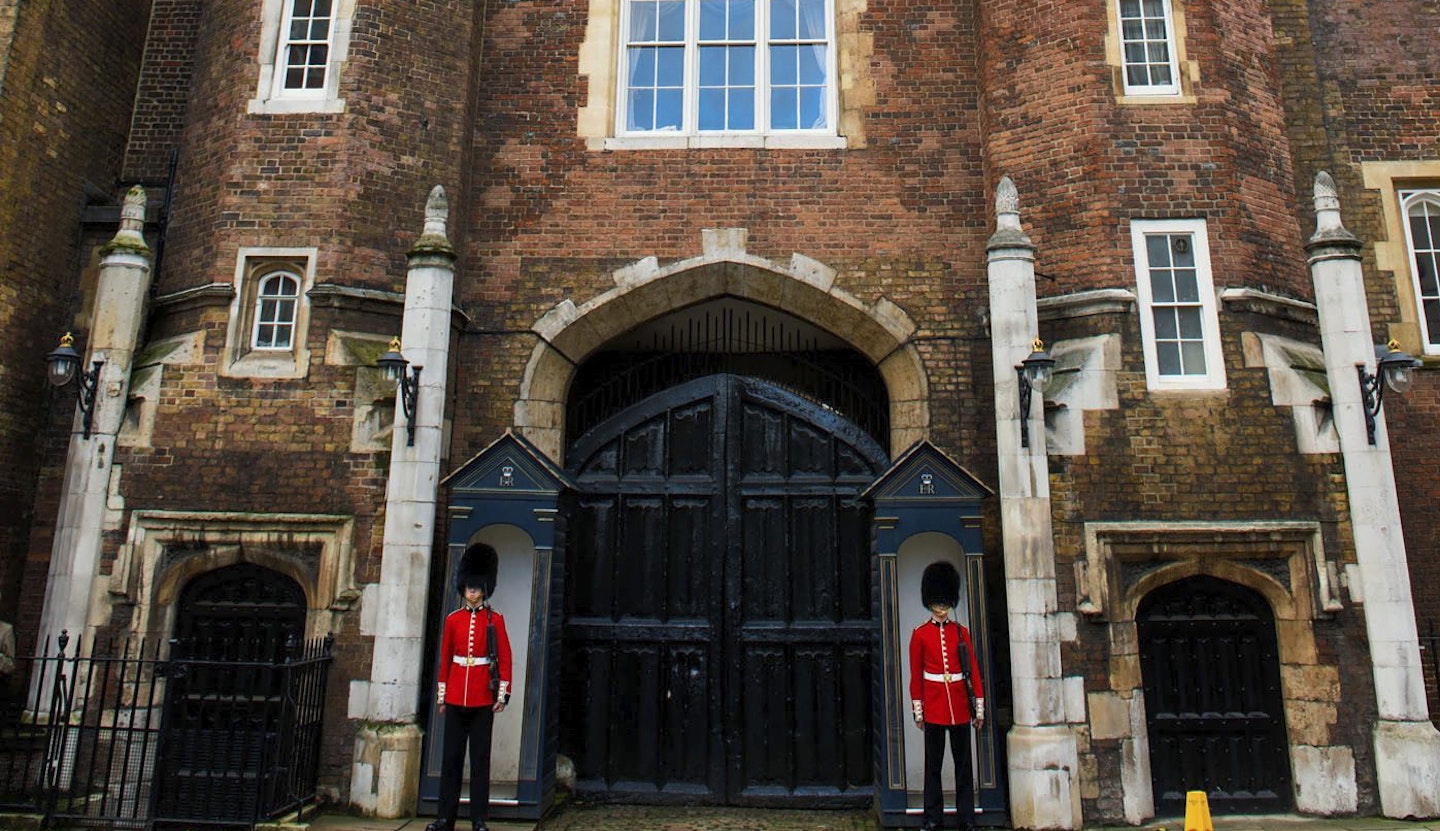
{"type": "Point", "coordinates": [1407, 746]}
{"type": "Point", "coordinates": [385, 773]}
{"type": "Point", "coordinates": [1042, 749]}
{"type": "Point", "coordinates": [75, 599]}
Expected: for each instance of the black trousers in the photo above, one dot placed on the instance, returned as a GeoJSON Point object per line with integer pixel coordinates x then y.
{"type": "Point", "coordinates": [466, 727]}
{"type": "Point", "coordinates": [964, 784]}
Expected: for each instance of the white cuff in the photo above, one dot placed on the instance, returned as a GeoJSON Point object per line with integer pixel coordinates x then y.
{"type": "Point", "coordinates": [918, 707]}
{"type": "Point", "coordinates": [440, 692]}
{"type": "Point", "coordinates": [980, 709]}
{"type": "Point", "coordinates": [505, 690]}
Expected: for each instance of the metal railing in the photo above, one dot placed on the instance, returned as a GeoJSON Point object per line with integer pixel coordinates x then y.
{"type": "Point", "coordinates": [129, 736]}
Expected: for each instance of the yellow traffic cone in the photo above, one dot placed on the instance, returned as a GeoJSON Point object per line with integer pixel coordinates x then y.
{"type": "Point", "coordinates": [1197, 812]}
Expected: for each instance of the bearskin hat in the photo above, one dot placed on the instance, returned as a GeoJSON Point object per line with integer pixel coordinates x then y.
{"type": "Point", "coordinates": [940, 584]}
{"type": "Point", "coordinates": [476, 569]}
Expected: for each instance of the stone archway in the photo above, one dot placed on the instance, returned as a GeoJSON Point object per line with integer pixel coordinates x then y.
{"type": "Point", "coordinates": [644, 290]}
{"type": "Point", "coordinates": [1285, 563]}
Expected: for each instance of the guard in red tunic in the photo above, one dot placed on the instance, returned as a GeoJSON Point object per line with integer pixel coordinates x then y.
{"type": "Point", "coordinates": [944, 681]}
{"type": "Point", "coordinates": [474, 683]}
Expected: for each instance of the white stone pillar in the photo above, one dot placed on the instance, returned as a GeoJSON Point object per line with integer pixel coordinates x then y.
{"type": "Point", "coordinates": [385, 773]}
{"type": "Point", "coordinates": [1407, 746]}
{"type": "Point", "coordinates": [1043, 755]}
{"type": "Point", "coordinates": [75, 599]}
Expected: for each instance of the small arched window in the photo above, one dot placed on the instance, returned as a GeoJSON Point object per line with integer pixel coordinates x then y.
{"type": "Point", "coordinates": [1422, 233]}
{"type": "Point", "coordinates": [275, 307]}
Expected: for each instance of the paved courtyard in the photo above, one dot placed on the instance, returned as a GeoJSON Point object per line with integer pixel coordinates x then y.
{"type": "Point", "coordinates": [648, 818]}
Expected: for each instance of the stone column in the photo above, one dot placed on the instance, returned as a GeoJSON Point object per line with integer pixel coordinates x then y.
{"type": "Point", "coordinates": [1407, 746]}
{"type": "Point", "coordinates": [75, 600]}
{"type": "Point", "coordinates": [1042, 749]}
{"type": "Point", "coordinates": [385, 773]}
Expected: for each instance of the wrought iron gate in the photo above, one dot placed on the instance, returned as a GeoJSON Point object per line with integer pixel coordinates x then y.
{"type": "Point", "coordinates": [718, 638]}
{"type": "Point", "coordinates": [90, 743]}
{"type": "Point", "coordinates": [1212, 698]}
{"type": "Point", "coordinates": [225, 714]}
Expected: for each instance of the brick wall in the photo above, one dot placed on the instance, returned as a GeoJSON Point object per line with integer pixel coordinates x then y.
{"type": "Point", "coordinates": [1085, 165]}
{"type": "Point", "coordinates": [67, 74]}
{"type": "Point", "coordinates": [163, 92]}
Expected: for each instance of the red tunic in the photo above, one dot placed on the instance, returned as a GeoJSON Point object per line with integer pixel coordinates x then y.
{"type": "Point", "coordinates": [466, 682]}
{"type": "Point", "coordinates": [933, 652]}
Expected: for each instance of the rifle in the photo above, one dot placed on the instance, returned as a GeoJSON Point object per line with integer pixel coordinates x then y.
{"type": "Point", "coordinates": [492, 650]}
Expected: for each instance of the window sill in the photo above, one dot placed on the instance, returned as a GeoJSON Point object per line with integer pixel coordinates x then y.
{"type": "Point", "coordinates": [1150, 99]}
{"type": "Point", "coordinates": [755, 142]}
{"type": "Point", "coordinates": [290, 106]}
{"type": "Point", "coordinates": [277, 364]}
{"type": "Point", "coordinates": [1209, 387]}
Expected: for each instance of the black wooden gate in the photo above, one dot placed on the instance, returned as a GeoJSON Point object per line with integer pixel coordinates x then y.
{"type": "Point", "coordinates": [225, 738]}
{"type": "Point", "coordinates": [718, 636]}
{"type": "Point", "coordinates": [1212, 698]}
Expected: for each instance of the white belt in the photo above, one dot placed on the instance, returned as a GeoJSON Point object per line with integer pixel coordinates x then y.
{"type": "Point", "coordinates": [942, 677]}
{"type": "Point", "coordinates": [470, 661]}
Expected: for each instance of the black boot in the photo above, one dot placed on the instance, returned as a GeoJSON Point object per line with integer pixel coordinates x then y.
{"type": "Point", "coordinates": [480, 826]}
{"type": "Point", "coordinates": [440, 825]}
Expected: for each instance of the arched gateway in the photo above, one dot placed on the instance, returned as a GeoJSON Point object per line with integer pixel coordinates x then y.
{"type": "Point", "coordinates": [718, 637]}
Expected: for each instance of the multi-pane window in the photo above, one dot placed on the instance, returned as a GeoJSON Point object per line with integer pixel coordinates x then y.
{"type": "Point", "coordinates": [275, 307]}
{"type": "Point", "coordinates": [1422, 236]}
{"type": "Point", "coordinates": [1147, 45]}
{"type": "Point", "coordinates": [1178, 319]}
{"type": "Point", "coordinates": [305, 46]}
{"type": "Point", "coordinates": [727, 66]}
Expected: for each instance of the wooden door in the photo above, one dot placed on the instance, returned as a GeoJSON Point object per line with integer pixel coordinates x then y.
{"type": "Point", "coordinates": [718, 637]}
{"type": "Point", "coordinates": [1212, 698]}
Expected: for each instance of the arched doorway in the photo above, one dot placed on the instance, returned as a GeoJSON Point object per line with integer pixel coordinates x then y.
{"type": "Point", "coordinates": [1213, 704]}
{"type": "Point", "coordinates": [718, 637]}
{"type": "Point", "coordinates": [224, 702]}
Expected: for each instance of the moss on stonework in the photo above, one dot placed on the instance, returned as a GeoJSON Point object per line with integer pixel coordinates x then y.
{"type": "Point", "coordinates": [118, 245]}
{"type": "Point", "coordinates": [432, 244]}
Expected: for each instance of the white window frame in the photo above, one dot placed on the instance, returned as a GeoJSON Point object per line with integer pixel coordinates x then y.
{"type": "Point", "coordinates": [689, 131]}
{"type": "Point", "coordinates": [287, 44]}
{"type": "Point", "coordinates": [267, 311]}
{"type": "Point", "coordinates": [1214, 376]}
{"type": "Point", "coordinates": [271, 95]}
{"type": "Point", "coordinates": [1171, 48]}
{"type": "Point", "coordinates": [1429, 198]}
{"type": "Point", "coordinates": [243, 358]}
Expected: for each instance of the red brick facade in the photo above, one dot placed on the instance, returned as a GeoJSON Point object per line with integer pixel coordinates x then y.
{"type": "Point", "coordinates": [67, 83]}
{"type": "Point", "coordinates": [482, 98]}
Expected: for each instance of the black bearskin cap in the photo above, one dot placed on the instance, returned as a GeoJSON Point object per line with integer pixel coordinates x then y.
{"type": "Point", "coordinates": [477, 569]}
{"type": "Point", "coordinates": [940, 584]}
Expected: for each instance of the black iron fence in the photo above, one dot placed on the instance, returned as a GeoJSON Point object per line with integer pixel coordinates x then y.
{"type": "Point", "coordinates": [136, 734]}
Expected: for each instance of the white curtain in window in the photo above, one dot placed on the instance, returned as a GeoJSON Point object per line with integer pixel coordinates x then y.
{"type": "Point", "coordinates": [812, 19]}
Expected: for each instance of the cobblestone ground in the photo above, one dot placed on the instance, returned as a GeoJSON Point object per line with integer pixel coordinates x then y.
{"type": "Point", "coordinates": [575, 817]}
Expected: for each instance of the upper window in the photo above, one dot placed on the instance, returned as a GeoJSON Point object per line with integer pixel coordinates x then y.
{"type": "Point", "coordinates": [696, 67]}
{"type": "Point", "coordinates": [1147, 44]}
{"type": "Point", "coordinates": [276, 303]}
{"type": "Point", "coordinates": [302, 48]}
{"type": "Point", "coordinates": [1421, 209]}
{"type": "Point", "coordinates": [1178, 320]}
